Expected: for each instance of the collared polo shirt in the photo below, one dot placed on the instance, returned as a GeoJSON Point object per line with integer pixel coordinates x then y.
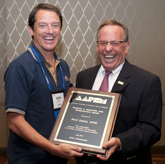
{"type": "Point", "coordinates": [27, 93]}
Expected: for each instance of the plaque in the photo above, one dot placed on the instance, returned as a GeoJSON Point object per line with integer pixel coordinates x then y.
{"type": "Point", "coordinates": [86, 120]}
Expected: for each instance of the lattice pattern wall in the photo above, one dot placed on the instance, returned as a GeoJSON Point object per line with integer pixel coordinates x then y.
{"type": "Point", "coordinates": [144, 18]}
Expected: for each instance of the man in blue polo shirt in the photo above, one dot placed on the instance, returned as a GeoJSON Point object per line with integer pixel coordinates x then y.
{"type": "Point", "coordinates": [31, 81]}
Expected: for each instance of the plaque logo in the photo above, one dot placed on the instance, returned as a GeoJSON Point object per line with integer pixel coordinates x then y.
{"type": "Point", "coordinates": [92, 99]}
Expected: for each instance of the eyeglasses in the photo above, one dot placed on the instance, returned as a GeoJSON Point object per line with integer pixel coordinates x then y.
{"type": "Point", "coordinates": [114, 43]}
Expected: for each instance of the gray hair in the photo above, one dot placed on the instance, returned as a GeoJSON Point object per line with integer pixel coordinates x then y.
{"type": "Point", "coordinates": [114, 22]}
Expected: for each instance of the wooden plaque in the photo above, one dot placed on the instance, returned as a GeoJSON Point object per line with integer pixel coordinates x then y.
{"type": "Point", "coordinates": [86, 119]}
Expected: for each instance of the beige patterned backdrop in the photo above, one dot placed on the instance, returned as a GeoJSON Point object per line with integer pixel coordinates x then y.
{"type": "Point", "coordinates": [144, 18]}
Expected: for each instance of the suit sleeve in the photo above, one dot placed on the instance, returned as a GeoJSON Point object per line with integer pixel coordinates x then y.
{"type": "Point", "coordinates": [147, 129]}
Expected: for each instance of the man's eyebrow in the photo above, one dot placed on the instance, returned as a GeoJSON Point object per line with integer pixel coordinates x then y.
{"type": "Point", "coordinates": [41, 23]}
{"type": "Point", "coordinates": [48, 23]}
{"type": "Point", "coordinates": [57, 22]}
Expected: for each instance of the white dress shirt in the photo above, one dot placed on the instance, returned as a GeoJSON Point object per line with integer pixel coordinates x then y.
{"type": "Point", "coordinates": [112, 77]}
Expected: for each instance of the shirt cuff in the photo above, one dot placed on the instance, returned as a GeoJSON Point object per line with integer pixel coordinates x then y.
{"type": "Point", "coordinates": [15, 111]}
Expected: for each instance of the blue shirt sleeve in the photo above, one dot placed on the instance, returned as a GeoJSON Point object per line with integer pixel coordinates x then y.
{"type": "Point", "coordinates": [17, 86]}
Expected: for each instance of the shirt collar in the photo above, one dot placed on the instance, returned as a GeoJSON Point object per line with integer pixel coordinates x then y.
{"type": "Point", "coordinates": [118, 69]}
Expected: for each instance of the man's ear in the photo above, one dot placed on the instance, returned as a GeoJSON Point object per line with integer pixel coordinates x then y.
{"type": "Point", "coordinates": [127, 47]}
{"type": "Point", "coordinates": [97, 47]}
{"type": "Point", "coordinates": [31, 31]}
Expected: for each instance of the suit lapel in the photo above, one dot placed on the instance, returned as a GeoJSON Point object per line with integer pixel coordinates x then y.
{"type": "Point", "coordinates": [123, 79]}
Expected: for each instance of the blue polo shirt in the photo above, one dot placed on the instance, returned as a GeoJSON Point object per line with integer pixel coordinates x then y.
{"type": "Point", "coordinates": [27, 93]}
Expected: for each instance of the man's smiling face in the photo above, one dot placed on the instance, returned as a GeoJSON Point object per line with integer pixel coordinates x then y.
{"type": "Point", "coordinates": [110, 56]}
{"type": "Point", "coordinates": [46, 30]}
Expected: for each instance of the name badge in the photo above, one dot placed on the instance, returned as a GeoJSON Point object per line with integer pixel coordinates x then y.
{"type": "Point", "coordinates": [58, 99]}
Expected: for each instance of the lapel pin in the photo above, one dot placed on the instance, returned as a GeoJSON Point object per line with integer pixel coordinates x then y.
{"type": "Point", "coordinates": [120, 82]}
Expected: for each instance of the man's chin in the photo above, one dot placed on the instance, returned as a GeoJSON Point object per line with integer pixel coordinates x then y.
{"type": "Point", "coordinates": [108, 66]}
{"type": "Point", "coordinates": [49, 49]}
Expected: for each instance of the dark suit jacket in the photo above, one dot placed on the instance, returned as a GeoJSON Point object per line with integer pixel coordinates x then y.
{"type": "Point", "coordinates": [138, 123]}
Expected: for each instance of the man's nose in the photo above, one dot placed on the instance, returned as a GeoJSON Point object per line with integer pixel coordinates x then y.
{"type": "Point", "coordinates": [109, 47]}
{"type": "Point", "coordinates": [50, 29]}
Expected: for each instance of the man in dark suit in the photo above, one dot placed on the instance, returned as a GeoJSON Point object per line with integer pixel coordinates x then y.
{"type": "Point", "coordinates": [138, 123]}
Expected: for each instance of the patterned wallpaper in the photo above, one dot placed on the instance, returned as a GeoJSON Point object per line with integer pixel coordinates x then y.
{"type": "Point", "coordinates": [3, 48]}
{"type": "Point", "coordinates": [144, 18]}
